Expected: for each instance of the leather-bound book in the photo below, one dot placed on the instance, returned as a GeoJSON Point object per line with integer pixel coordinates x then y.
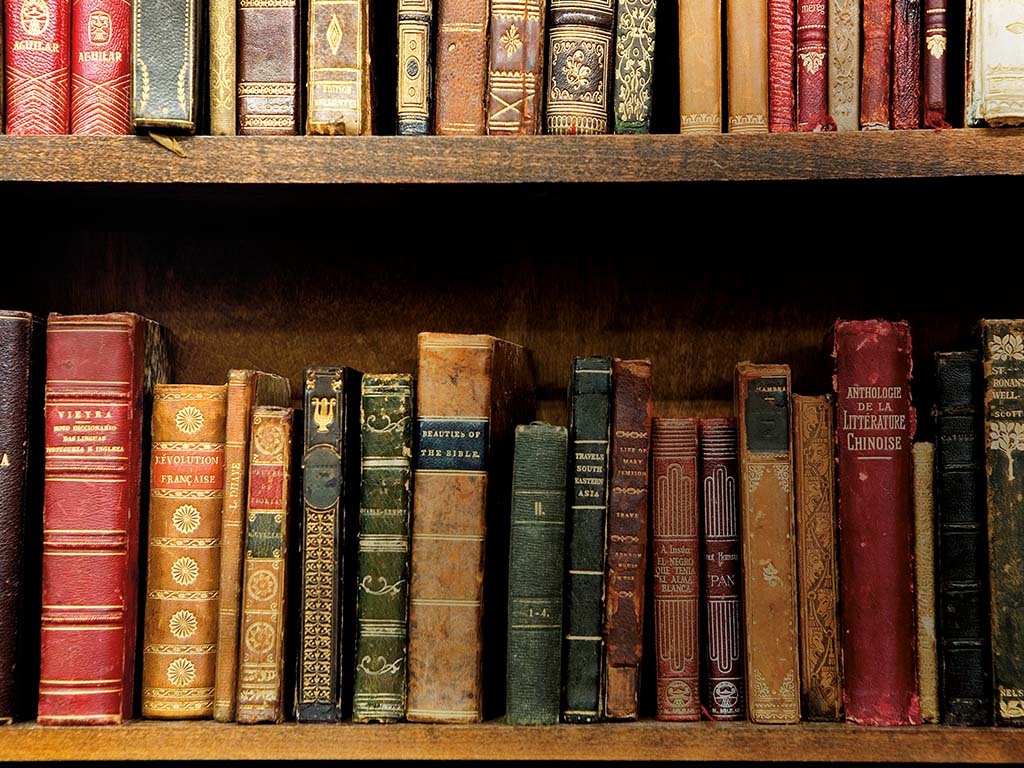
{"type": "Point", "coordinates": [821, 680]}
{"type": "Point", "coordinates": [535, 575]}
{"type": "Point", "coordinates": [415, 103]}
{"type": "Point", "coordinates": [632, 407]}
{"type": "Point", "coordinates": [700, 66]}
{"type": "Point", "coordinates": [844, 63]}
{"type": "Point", "coordinates": [340, 96]}
{"type": "Point", "coordinates": [268, 68]}
{"type": "Point", "coordinates": [515, 80]}
{"type": "Point", "coordinates": [675, 560]}
{"type": "Point", "coordinates": [246, 389]}
{"type": "Point", "coordinates": [21, 387]}
{"type": "Point", "coordinates": [590, 398]}
{"type": "Point", "coordinates": [579, 63]}
{"type": "Point", "coordinates": [223, 52]}
{"type": "Point", "coordinates": [924, 580]}
{"type": "Point", "coordinates": [186, 495]}
{"type": "Point", "coordinates": [781, 66]}
{"type": "Point", "coordinates": [746, 36]}
{"type": "Point", "coordinates": [725, 693]}
{"type": "Point", "coordinates": [812, 67]}
{"type": "Point", "coordinates": [876, 65]}
{"type": "Point", "coordinates": [769, 547]}
{"type": "Point", "coordinates": [382, 578]}
{"type": "Point", "coordinates": [100, 66]}
{"type": "Point", "coordinates": [330, 497]}
{"type": "Point", "coordinates": [995, 59]}
{"type": "Point", "coordinates": [264, 586]}
{"type": "Point", "coordinates": [906, 64]}
{"type": "Point", "coordinates": [472, 391]}
{"type": "Point", "coordinates": [634, 65]}
{"type": "Point", "coordinates": [933, 65]}
{"type": "Point", "coordinates": [38, 66]}
{"type": "Point", "coordinates": [875, 424]}
{"type": "Point", "coordinates": [965, 670]}
{"type": "Point", "coordinates": [99, 371]}
{"type": "Point", "coordinates": [460, 75]}
{"type": "Point", "coordinates": [1003, 369]}
{"type": "Point", "coordinates": [165, 65]}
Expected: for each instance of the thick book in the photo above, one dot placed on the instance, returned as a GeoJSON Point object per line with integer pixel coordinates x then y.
{"type": "Point", "coordinates": [965, 669]}
{"type": "Point", "coordinates": [472, 391]}
{"type": "Point", "coordinates": [844, 63]}
{"type": "Point", "coordinates": [933, 65]}
{"type": "Point", "coordinates": [415, 102]}
{"type": "Point", "coordinates": [924, 580]}
{"type": "Point", "coordinates": [339, 98]}
{"type": "Point", "coordinates": [100, 66]}
{"type": "Point", "coordinates": [246, 388]}
{"type": "Point", "coordinates": [821, 680]}
{"type": "Point", "coordinates": [812, 67]}
{"type": "Point", "coordinates": [632, 407]}
{"type": "Point", "coordinates": [264, 587]}
{"type": "Point", "coordinates": [1003, 369]}
{"type": "Point", "coordinates": [223, 35]}
{"type": "Point", "coordinates": [995, 60]}
{"type": "Point", "coordinates": [700, 66]}
{"type": "Point", "coordinates": [536, 552]}
{"type": "Point", "coordinates": [579, 65]}
{"type": "Point", "coordinates": [724, 694]}
{"type": "Point", "coordinates": [781, 66]}
{"type": "Point", "coordinates": [590, 398]}
{"type": "Point", "coordinates": [21, 388]}
{"type": "Point", "coordinates": [875, 423]}
{"type": "Point", "coordinates": [460, 70]}
{"type": "Point", "coordinates": [675, 564]}
{"type": "Point", "coordinates": [37, 69]}
{"type": "Point", "coordinates": [330, 495]}
{"type": "Point", "coordinates": [186, 495]}
{"type": "Point", "coordinates": [634, 65]}
{"type": "Point", "coordinates": [876, 65]}
{"type": "Point", "coordinates": [906, 64]}
{"type": "Point", "coordinates": [382, 576]}
{"type": "Point", "coordinates": [99, 371]}
{"type": "Point", "coordinates": [268, 74]}
{"type": "Point", "coordinates": [746, 30]}
{"type": "Point", "coordinates": [165, 65]}
{"type": "Point", "coordinates": [515, 78]}
{"type": "Point", "coordinates": [769, 546]}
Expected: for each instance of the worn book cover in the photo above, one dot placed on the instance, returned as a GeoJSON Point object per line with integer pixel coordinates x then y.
{"type": "Point", "coordinates": [579, 63]}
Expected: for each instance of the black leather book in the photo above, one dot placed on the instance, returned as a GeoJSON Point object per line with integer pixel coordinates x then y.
{"type": "Point", "coordinates": [166, 41]}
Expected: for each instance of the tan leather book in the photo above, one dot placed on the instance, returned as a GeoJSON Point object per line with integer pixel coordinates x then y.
{"type": "Point", "coordinates": [460, 77]}
{"type": "Point", "coordinates": [473, 391]}
{"type": "Point", "coordinates": [821, 682]}
{"type": "Point", "coordinates": [185, 499]}
{"type": "Point", "coordinates": [924, 581]}
{"type": "Point", "coordinates": [700, 66]}
{"type": "Point", "coordinates": [340, 97]}
{"type": "Point", "coordinates": [222, 67]}
{"type": "Point", "coordinates": [516, 76]}
{"type": "Point", "coordinates": [746, 33]}
{"type": "Point", "coordinates": [769, 552]}
{"type": "Point", "coordinates": [245, 389]}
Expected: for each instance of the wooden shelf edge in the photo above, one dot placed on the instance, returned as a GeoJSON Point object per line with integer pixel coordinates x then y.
{"type": "Point", "coordinates": [646, 740]}
{"type": "Point", "coordinates": [388, 160]}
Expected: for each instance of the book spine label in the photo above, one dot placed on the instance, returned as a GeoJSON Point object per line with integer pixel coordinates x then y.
{"type": "Point", "coordinates": [93, 467]}
{"type": "Point", "coordinates": [1003, 368]}
{"type": "Point", "coordinates": [186, 493]}
{"type": "Point", "coordinates": [338, 57]}
{"type": "Point", "coordinates": [725, 689]}
{"type": "Point", "coordinates": [100, 66]}
{"type": "Point", "coordinates": [781, 58]}
{"type": "Point", "coordinates": [924, 581]}
{"type": "Point", "coordinates": [812, 66]}
{"type": "Point", "coordinates": [675, 555]}
{"type": "Point", "coordinates": [817, 570]}
{"type": "Point", "coordinates": [627, 536]}
{"type": "Point", "coordinates": [382, 580]}
{"type": "Point", "coordinates": [746, 24]}
{"type": "Point", "coordinates": [261, 654]}
{"type": "Point", "coordinates": [634, 65]}
{"type": "Point", "coordinates": [964, 655]}
{"type": "Point", "coordinates": [769, 550]}
{"type": "Point", "coordinates": [995, 59]}
{"type": "Point", "coordinates": [588, 467]}
{"type": "Point", "coordinates": [268, 68]}
{"type": "Point", "coordinates": [515, 76]}
{"type": "Point", "coordinates": [933, 64]}
{"type": "Point", "coordinates": [535, 575]}
{"type": "Point", "coordinates": [38, 66]}
{"type": "Point", "coordinates": [875, 424]}
{"type": "Point", "coordinates": [415, 67]}
{"type": "Point", "coordinates": [876, 67]}
{"type": "Point", "coordinates": [906, 64]}
{"type": "Point", "coordinates": [461, 71]}
{"type": "Point", "coordinates": [700, 66]}
{"type": "Point", "coordinates": [844, 63]}
{"type": "Point", "coordinates": [579, 51]}
{"type": "Point", "coordinates": [223, 61]}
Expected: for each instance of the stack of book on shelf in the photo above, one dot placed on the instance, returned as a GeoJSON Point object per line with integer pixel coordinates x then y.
{"type": "Point", "coordinates": [390, 547]}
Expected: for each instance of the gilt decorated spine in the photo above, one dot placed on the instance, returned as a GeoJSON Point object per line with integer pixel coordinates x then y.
{"type": "Point", "coordinates": [223, 67]}
{"type": "Point", "coordinates": [268, 68]}
{"type": "Point", "coordinates": [515, 82]}
{"type": "Point", "coordinates": [700, 66]}
{"type": "Point", "coordinates": [812, 66]}
{"type": "Point", "coordinates": [101, 66]}
{"type": "Point", "coordinates": [579, 63]}
{"type": "Point", "coordinates": [415, 67]}
{"type": "Point", "coordinates": [746, 37]}
{"type": "Point", "coordinates": [844, 63]}
{"type": "Point", "coordinates": [340, 89]}
{"type": "Point", "coordinates": [634, 65]}
{"type": "Point", "coordinates": [37, 68]}
{"type": "Point", "coordinates": [933, 64]}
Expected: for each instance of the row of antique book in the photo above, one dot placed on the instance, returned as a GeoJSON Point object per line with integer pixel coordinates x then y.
{"type": "Point", "coordinates": [399, 548]}
{"type": "Point", "coordinates": [470, 67]}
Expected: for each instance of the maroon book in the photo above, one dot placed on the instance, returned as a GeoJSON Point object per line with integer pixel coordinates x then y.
{"type": "Point", "coordinates": [933, 64]}
{"type": "Point", "coordinates": [676, 555]}
{"type": "Point", "coordinates": [812, 67]}
{"type": "Point", "coordinates": [906, 64]}
{"type": "Point", "coordinates": [781, 85]}
{"type": "Point", "coordinates": [875, 424]}
{"type": "Point", "coordinates": [876, 64]}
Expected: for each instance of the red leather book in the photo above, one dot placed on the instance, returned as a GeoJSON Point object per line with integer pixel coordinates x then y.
{"type": "Point", "coordinates": [812, 67]}
{"type": "Point", "coordinates": [100, 66]}
{"type": "Point", "coordinates": [933, 64]}
{"type": "Point", "coordinates": [95, 373]}
{"type": "Point", "coordinates": [906, 64]}
{"type": "Point", "coordinates": [675, 550]}
{"type": "Point", "coordinates": [875, 424]}
{"type": "Point", "coordinates": [876, 64]}
{"type": "Point", "coordinates": [781, 44]}
{"type": "Point", "coordinates": [37, 66]}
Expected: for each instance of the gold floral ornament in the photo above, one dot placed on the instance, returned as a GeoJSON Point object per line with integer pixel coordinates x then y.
{"type": "Point", "coordinates": [936, 45]}
{"type": "Point", "coordinates": [185, 571]}
{"type": "Point", "coordinates": [181, 672]}
{"type": "Point", "coordinates": [771, 573]}
{"type": "Point", "coordinates": [185, 519]}
{"type": "Point", "coordinates": [1008, 347]}
{"type": "Point", "coordinates": [1007, 437]}
{"type": "Point", "coordinates": [189, 420]}
{"type": "Point", "coordinates": [812, 61]}
{"type": "Point", "coordinates": [183, 624]}
{"type": "Point", "coordinates": [577, 73]}
{"type": "Point", "coordinates": [511, 41]}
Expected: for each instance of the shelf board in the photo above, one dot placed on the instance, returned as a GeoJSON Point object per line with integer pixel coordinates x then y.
{"type": "Point", "coordinates": [645, 740]}
{"type": "Point", "coordinates": [511, 160]}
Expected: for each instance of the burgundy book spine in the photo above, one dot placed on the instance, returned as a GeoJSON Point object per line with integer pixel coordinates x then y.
{"type": "Point", "coordinates": [37, 67]}
{"type": "Point", "coordinates": [781, 82]}
{"type": "Point", "coordinates": [100, 66]}
{"type": "Point", "coordinates": [876, 64]}
{"type": "Point", "coordinates": [934, 64]}
{"type": "Point", "coordinates": [906, 65]}
{"type": "Point", "coordinates": [875, 423]}
{"type": "Point", "coordinates": [676, 555]}
{"type": "Point", "coordinates": [812, 66]}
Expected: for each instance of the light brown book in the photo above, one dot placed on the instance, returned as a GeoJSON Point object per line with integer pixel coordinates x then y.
{"type": "Point", "coordinates": [185, 500]}
{"type": "Point", "coordinates": [844, 63]}
{"type": "Point", "coordinates": [340, 98]}
{"type": "Point", "coordinates": [700, 66]}
{"type": "Point", "coordinates": [460, 77]}
{"type": "Point", "coordinates": [245, 389]}
{"type": "Point", "coordinates": [516, 74]}
{"type": "Point", "coordinates": [223, 85]}
{"type": "Point", "coordinates": [769, 552]}
{"type": "Point", "coordinates": [746, 33]}
{"type": "Point", "coordinates": [924, 581]}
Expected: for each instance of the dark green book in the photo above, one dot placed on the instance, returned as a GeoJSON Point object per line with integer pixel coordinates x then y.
{"type": "Point", "coordinates": [382, 597]}
{"type": "Point", "coordinates": [634, 65]}
{"type": "Point", "coordinates": [535, 575]}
